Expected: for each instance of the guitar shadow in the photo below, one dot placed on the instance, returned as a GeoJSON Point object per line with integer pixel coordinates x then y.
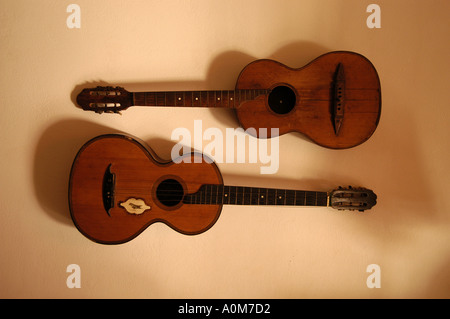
{"type": "Point", "coordinates": [59, 144]}
{"type": "Point", "coordinates": [54, 155]}
{"type": "Point", "coordinates": [222, 74]}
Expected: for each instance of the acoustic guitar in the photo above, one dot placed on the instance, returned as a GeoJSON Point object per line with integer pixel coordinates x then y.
{"type": "Point", "coordinates": [335, 100]}
{"type": "Point", "coordinates": [119, 186]}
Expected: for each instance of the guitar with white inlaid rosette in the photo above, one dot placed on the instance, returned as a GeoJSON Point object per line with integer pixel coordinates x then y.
{"type": "Point", "coordinates": [118, 187]}
{"type": "Point", "coordinates": [335, 100]}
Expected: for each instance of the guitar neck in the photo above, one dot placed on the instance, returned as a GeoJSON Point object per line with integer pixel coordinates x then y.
{"type": "Point", "coordinates": [226, 99]}
{"type": "Point", "coordinates": [240, 195]}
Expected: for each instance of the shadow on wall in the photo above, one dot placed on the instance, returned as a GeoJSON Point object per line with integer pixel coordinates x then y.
{"type": "Point", "coordinates": [439, 285]}
{"type": "Point", "coordinates": [60, 142]}
{"type": "Point", "coordinates": [54, 154]}
{"type": "Point", "coordinates": [222, 74]}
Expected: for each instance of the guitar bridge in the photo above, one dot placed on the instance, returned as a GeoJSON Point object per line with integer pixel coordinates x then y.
{"type": "Point", "coordinates": [338, 98]}
{"type": "Point", "coordinates": [109, 181]}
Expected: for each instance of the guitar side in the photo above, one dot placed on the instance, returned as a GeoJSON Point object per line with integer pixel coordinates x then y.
{"type": "Point", "coordinates": [311, 91]}
{"type": "Point", "coordinates": [117, 186]}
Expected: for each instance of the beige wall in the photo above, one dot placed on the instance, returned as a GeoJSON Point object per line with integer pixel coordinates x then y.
{"type": "Point", "coordinates": [251, 252]}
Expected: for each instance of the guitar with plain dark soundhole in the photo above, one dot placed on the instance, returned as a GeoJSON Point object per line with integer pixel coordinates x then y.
{"type": "Point", "coordinates": [335, 100]}
{"type": "Point", "coordinates": [118, 187]}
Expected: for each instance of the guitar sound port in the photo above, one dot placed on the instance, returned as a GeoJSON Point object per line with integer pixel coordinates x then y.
{"type": "Point", "coordinates": [169, 192]}
{"type": "Point", "coordinates": [282, 99]}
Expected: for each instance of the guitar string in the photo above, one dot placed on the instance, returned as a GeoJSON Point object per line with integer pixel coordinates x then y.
{"type": "Point", "coordinates": [311, 197]}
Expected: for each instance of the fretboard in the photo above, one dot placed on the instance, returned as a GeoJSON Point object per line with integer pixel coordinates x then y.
{"type": "Point", "coordinates": [227, 99]}
{"type": "Point", "coordinates": [239, 195]}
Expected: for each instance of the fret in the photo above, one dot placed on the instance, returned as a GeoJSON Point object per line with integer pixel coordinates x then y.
{"type": "Point", "coordinates": [139, 98]}
{"type": "Point", "coordinates": [179, 99]}
{"type": "Point", "coordinates": [219, 194]}
{"type": "Point", "coordinates": [289, 197]}
{"type": "Point", "coordinates": [299, 198]}
{"type": "Point", "coordinates": [151, 98]}
{"type": "Point", "coordinates": [280, 197]}
{"type": "Point", "coordinates": [263, 193]}
{"type": "Point", "coordinates": [232, 195]}
{"type": "Point", "coordinates": [239, 195]}
{"type": "Point", "coordinates": [226, 194]}
{"type": "Point", "coordinates": [225, 98]}
{"type": "Point", "coordinates": [322, 200]}
{"type": "Point", "coordinates": [142, 98]}
{"type": "Point", "coordinates": [187, 99]}
{"type": "Point", "coordinates": [310, 199]}
{"type": "Point", "coordinates": [260, 197]}
{"type": "Point", "coordinates": [254, 196]}
{"type": "Point", "coordinates": [170, 98]}
{"type": "Point", "coordinates": [247, 194]}
{"type": "Point", "coordinates": [233, 98]}
{"type": "Point", "coordinates": [206, 194]}
{"type": "Point", "coordinates": [194, 99]}
{"type": "Point", "coordinates": [213, 195]}
{"type": "Point", "coordinates": [160, 99]}
{"type": "Point", "coordinates": [210, 98]}
{"type": "Point", "coordinates": [206, 98]}
{"type": "Point", "coordinates": [197, 198]}
{"type": "Point", "coordinates": [271, 196]}
{"type": "Point", "coordinates": [209, 194]}
{"type": "Point", "coordinates": [217, 98]}
{"type": "Point", "coordinates": [202, 195]}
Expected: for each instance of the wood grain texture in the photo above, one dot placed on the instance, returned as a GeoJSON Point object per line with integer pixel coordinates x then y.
{"type": "Point", "coordinates": [313, 86]}
{"type": "Point", "coordinates": [137, 172]}
{"type": "Point", "coordinates": [118, 187]}
{"type": "Point", "coordinates": [312, 113]}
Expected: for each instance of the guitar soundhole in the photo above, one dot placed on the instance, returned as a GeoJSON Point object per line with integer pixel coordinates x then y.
{"type": "Point", "coordinates": [282, 99]}
{"type": "Point", "coordinates": [170, 192]}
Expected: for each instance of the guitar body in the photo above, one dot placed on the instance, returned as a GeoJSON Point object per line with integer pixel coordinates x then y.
{"type": "Point", "coordinates": [306, 100]}
{"type": "Point", "coordinates": [335, 100]}
{"type": "Point", "coordinates": [117, 187]}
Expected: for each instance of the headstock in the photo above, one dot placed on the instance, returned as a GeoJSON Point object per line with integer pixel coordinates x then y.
{"type": "Point", "coordinates": [105, 99]}
{"type": "Point", "coordinates": [352, 199]}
